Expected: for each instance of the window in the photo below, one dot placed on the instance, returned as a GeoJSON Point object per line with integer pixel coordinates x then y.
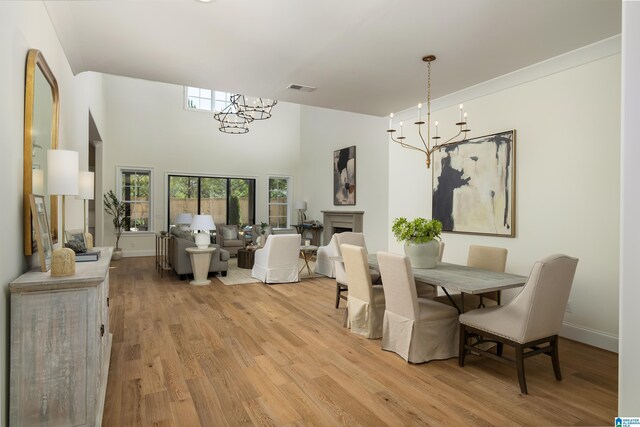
{"type": "Point", "coordinates": [135, 190]}
{"type": "Point", "coordinates": [229, 200]}
{"type": "Point", "coordinates": [279, 190]}
{"type": "Point", "coordinates": [206, 99]}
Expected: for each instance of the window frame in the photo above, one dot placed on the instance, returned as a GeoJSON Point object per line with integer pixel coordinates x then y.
{"type": "Point", "coordinates": [119, 186]}
{"type": "Point", "coordinates": [214, 99]}
{"type": "Point", "coordinates": [167, 201]}
{"type": "Point", "coordinates": [289, 180]}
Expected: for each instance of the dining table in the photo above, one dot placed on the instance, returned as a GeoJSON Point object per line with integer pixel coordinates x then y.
{"type": "Point", "coordinates": [453, 278]}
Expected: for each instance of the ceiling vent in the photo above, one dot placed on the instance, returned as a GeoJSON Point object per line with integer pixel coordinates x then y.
{"type": "Point", "coordinates": [301, 88]}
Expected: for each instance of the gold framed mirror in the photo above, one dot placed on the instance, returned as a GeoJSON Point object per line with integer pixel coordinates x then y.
{"type": "Point", "coordinates": [41, 112]}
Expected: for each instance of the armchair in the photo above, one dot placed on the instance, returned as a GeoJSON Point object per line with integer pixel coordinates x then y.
{"type": "Point", "coordinates": [228, 237]}
{"type": "Point", "coordinates": [277, 261]}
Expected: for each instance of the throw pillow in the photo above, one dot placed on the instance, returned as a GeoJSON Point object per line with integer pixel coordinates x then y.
{"type": "Point", "coordinates": [229, 233]}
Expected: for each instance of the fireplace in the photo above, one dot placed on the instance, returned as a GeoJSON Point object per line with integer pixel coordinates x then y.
{"type": "Point", "coordinates": [340, 221]}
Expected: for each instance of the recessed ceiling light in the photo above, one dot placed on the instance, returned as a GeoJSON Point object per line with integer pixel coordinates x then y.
{"type": "Point", "coordinates": [204, 1]}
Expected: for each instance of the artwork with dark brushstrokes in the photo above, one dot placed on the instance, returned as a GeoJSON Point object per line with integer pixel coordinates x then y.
{"type": "Point", "coordinates": [344, 176]}
{"type": "Point", "coordinates": [474, 185]}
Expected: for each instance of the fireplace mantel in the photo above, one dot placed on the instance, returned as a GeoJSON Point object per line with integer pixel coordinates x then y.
{"type": "Point", "coordinates": [344, 220]}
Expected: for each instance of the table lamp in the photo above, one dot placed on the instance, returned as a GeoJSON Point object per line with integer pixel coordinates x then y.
{"type": "Point", "coordinates": [86, 192]}
{"type": "Point", "coordinates": [62, 179]}
{"type": "Point", "coordinates": [301, 206]}
{"type": "Point", "coordinates": [203, 223]}
{"type": "Point", "coordinates": [184, 220]}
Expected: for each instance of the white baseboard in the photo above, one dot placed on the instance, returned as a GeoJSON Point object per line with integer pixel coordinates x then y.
{"type": "Point", "coordinates": [590, 336]}
{"type": "Point", "coordinates": [129, 254]}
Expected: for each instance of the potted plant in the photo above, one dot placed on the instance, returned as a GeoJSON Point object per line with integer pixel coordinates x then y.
{"type": "Point", "coordinates": [420, 237]}
{"type": "Point", "coordinates": [116, 208]}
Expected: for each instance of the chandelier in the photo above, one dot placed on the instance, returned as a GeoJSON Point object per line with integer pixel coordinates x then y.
{"type": "Point", "coordinates": [241, 111]}
{"type": "Point", "coordinates": [428, 147]}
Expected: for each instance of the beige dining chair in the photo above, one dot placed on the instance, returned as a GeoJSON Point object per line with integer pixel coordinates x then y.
{"type": "Point", "coordinates": [487, 258]}
{"type": "Point", "coordinates": [417, 329]}
{"type": "Point", "coordinates": [365, 302]}
{"type": "Point", "coordinates": [349, 238]}
{"type": "Point", "coordinates": [531, 319]}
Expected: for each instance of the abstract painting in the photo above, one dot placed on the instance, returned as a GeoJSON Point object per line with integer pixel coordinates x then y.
{"type": "Point", "coordinates": [474, 185]}
{"type": "Point", "coordinates": [344, 176]}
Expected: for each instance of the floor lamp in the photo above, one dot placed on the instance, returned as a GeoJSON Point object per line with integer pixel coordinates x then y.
{"type": "Point", "coordinates": [86, 192]}
{"type": "Point", "coordinates": [62, 179]}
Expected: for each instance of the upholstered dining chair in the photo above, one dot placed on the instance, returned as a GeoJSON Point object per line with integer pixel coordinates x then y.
{"type": "Point", "coordinates": [531, 319]}
{"type": "Point", "coordinates": [342, 285]}
{"type": "Point", "coordinates": [277, 261]}
{"type": "Point", "coordinates": [365, 302]}
{"type": "Point", "coordinates": [228, 238]}
{"type": "Point", "coordinates": [324, 264]}
{"type": "Point", "coordinates": [417, 329]}
{"type": "Point", "coordinates": [487, 258]}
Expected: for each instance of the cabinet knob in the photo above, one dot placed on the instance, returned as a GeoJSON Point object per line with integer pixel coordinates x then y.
{"type": "Point", "coordinates": [102, 330]}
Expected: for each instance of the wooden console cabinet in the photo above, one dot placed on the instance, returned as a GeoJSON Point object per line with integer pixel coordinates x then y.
{"type": "Point", "coordinates": [60, 346]}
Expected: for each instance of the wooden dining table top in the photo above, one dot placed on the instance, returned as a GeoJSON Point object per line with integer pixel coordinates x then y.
{"type": "Point", "coordinates": [460, 278]}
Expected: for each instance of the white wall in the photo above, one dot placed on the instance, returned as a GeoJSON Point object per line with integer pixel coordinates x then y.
{"type": "Point", "coordinates": [26, 25]}
{"type": "Point", "coordinates": [324, 131]}
{"type": "Point", "coordinates": [629, 374]}
{"type": "Point", "coordinates": [148, 127]}
{"type": "Point", "coordinates": [567, 179]}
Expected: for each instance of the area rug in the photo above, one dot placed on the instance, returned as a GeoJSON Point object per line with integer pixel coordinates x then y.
{"type": "Point", "coordinates": [242, 276]}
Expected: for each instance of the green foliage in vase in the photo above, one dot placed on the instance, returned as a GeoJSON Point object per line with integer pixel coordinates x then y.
{"type": "Point", "coordinates": [116, 208]}
{"type": "Point", "coordinates": [420, 230]}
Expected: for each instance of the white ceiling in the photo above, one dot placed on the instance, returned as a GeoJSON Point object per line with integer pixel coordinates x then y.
{"type": "Point", "coordinates": [363, 56]}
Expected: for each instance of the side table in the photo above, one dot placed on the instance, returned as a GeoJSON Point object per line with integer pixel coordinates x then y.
{"type": "Point", "coordinates": [162, 252]}
{"type": "Point", "coordinates": [246, 258]}
{"type": "Point", "coordinates": [307, 252]}
{"type": "Point", "coordinates": [200, 260]}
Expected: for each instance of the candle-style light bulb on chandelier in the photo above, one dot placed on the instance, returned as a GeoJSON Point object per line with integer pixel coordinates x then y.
{"type": "Point", "coordinates": [429, 148]}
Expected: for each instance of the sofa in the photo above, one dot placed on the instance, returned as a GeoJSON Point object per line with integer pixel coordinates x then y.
{"type": "Point", "coordinates": [180, 260]}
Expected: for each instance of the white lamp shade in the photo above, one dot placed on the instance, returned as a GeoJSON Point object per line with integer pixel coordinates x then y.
{"type": "Point", "coordinates": [86, 186]}
{"type": "Point", "coordinates": [300, 205]}
{"type": "Point", "coordinates": [37, 182]}
{"type": "Point", "coordinates": [184, 218]}
{"type": "Point", "coordinates": [62, 172]}
{"type": "Point", "coordinates": [202, 222]}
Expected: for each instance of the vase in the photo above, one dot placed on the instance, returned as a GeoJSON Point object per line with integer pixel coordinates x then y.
{"type": "Point", "coordinates": [422, 255]}
{"type": "Point", "coordinates": [117, 254]}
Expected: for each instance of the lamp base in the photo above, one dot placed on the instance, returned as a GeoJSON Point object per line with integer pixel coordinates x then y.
{"type": "Point", "coordinates": [88, 239]}
{"type": "Point", "coordinates": [202, 240]}
{"type": "Point", "coordinates": [63, 262]}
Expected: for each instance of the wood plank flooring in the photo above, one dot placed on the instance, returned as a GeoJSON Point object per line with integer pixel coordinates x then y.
{"type": "Point", "coordinates": [278, 355]}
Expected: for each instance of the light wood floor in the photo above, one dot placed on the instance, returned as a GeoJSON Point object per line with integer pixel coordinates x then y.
{"type": "Point", "coordinates": [277, 355]}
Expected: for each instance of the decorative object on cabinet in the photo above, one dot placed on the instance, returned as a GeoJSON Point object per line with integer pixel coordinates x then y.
{"type": "Point", "coordinates": [63, 262]}
{"type": "Point", "coordinates": [116, 208]}
{"type": "Point", "coordinates": [204, 224]}
{"type": "Point", "coordinates": [43, 235]}
{"type": "Point", "coordinates": [428, 148]}
{"type": "Point", "coordinates": [75, 240]}
{"type": "Point", "coordinates": [62, 383]}
{"type": "Point", "coordinates": [86, 192]}
{"type": "Point", "coordinates": [41, 112]}
{"type": "Point", "coordinates": [474, 185]}
{"type": "Point", "coordinates": [344, 176]}
{"type": "Point", "coordinates": [63, 176]}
